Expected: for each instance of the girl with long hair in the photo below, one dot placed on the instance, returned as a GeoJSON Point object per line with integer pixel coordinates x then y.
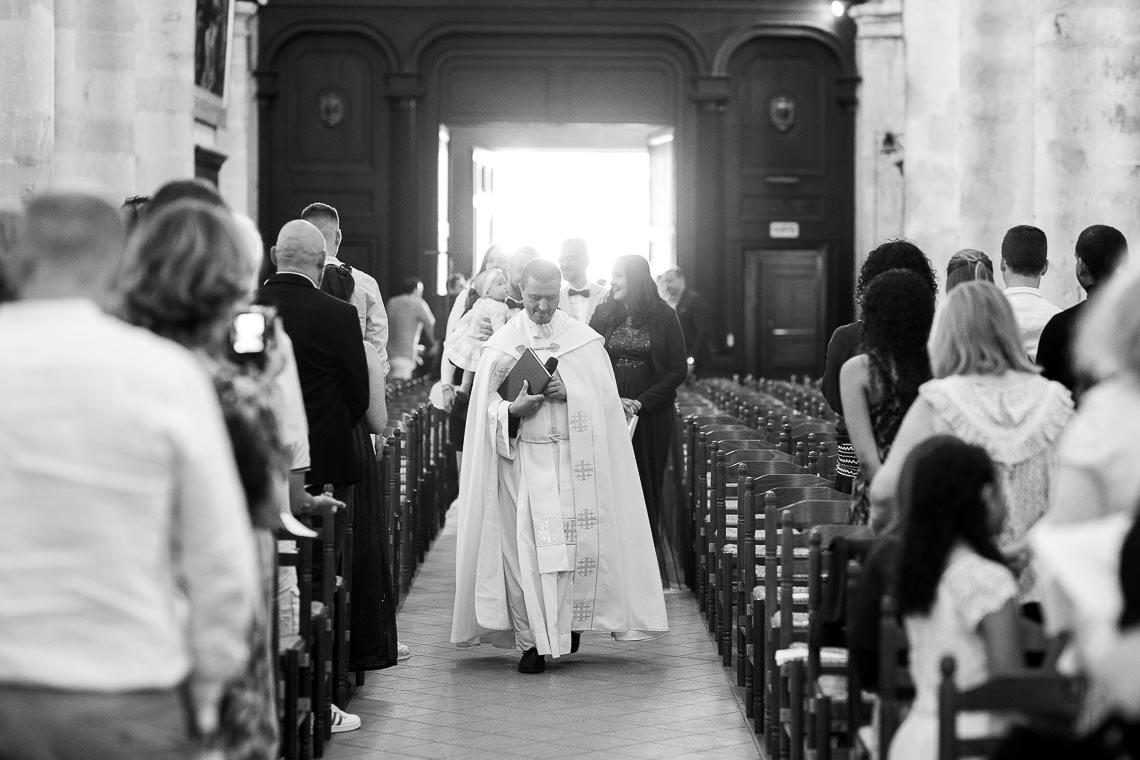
{"type": "Point", "coordinates": [955, 594]}
{"type": "Point", "coordinates": [879, 385]}
{"type": "Point", "coordinates": [647, 350]}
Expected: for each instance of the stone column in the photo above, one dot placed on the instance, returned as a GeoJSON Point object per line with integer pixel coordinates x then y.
{"type": "Point", "coordinates": [27, 90]}
{"type": "Point", "coordinates": [95, 98]}
{"type": "Point", "coordinates": [164, 93]}
{"type": "Point", "coordinates": [879, 124]}
{"type": "Point", "coordinates": [404, 93]}
{"type": "Point", "coordinates": [995, 125]}
{"type": "Point", "coordinates": [1087, 128]}
{"type": "Point", "coordinates": [933, 171]}
{"type": "Point", "coordinates": [238, 140]}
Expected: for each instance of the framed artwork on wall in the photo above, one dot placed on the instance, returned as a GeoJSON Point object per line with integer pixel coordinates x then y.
{"type": "Point", "coordinates": [213, 33]}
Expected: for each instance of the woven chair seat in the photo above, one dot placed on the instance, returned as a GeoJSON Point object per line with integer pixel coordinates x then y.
{"type": "Point", "coordinates": [799, 620]}
{"type": "Point", "coordinates": [799, 595]}
{"type": "Point", "coordinates": [829, 657]}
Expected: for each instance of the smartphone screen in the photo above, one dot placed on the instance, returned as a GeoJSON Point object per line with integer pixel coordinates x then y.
{"type": "Point", "coordinates": [249, 333]}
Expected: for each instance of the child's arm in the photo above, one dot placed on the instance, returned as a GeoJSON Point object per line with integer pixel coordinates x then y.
{"type": "Point", "coordinates": [1001, 632]}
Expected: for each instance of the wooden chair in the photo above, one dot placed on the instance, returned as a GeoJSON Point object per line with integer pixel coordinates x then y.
{"type": "Point", "coordinates": [1044, 696]}
{"type": "Point", "coordinates": [789, 625]}
{"type": "Point", "coordinates": [322, 607]}
{"type": "Point", "coordinates": [295, 677]}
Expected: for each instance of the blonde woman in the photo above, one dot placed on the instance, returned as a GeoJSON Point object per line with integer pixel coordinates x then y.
{"type": "Point", "coordinates": [987, 393]}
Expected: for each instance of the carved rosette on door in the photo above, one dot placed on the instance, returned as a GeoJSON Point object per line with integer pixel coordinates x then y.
{"type": "Point", "coordinates": [332, 107]}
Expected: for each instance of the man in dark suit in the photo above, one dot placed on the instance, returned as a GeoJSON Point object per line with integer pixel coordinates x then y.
{"type": "Point", "coordinates": [1099, 251]}
{"type": "Point", "coordinates": [693, 314]}
{"type": "Point", "coordinates": [329, 349]}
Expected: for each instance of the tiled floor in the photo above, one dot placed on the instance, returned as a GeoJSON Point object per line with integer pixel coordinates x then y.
{"type": "Point", "coordinates": [666, 698]}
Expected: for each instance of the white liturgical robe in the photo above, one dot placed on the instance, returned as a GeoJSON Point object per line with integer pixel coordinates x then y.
{"type": "Point", "coordinates": [553, 532]}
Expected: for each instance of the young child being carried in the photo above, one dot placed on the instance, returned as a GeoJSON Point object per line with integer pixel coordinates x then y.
{"type": "Point", "coordinates": [464, 349]}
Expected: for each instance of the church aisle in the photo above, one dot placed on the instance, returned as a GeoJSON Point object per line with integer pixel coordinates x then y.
{"type": "Point", "coordinates": [665, 698]}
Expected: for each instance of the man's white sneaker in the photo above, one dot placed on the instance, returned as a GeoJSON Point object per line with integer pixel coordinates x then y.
{"type": "Point", "coordinates": [342, 721]}
{"type": "Point", "coordinates": [402, 652]}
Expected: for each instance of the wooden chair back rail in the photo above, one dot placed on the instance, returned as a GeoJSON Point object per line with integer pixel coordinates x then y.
{"type": "Point", "coordinates": [894, 679]}
{"type": "Point", "coordinates": [1045, 696]}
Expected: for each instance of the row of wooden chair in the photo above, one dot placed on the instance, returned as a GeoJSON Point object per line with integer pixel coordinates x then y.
{"type": "Point", "coordinates": [416, 471]}
{"type": "Point", "coordinates": [754, 457]}
{"type": "Point", "coordinates": [755, 491]}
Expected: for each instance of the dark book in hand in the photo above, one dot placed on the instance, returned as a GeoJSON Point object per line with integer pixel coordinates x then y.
{"type": "Point", "coordinates": [528, 369]}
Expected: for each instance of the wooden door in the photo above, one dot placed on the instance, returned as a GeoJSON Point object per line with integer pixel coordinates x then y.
{"type": "Point", "coordinates": [789, 188]}
{"type": "Point", "coordinates": [784, 309]}
{"type": "Point", "coordinates": [328, 141]}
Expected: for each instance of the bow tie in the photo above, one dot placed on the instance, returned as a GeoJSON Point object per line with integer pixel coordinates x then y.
{"type": "Point", "coordinates": [513, 303]}
{"type": "Point", "coordinates": [584, 292]}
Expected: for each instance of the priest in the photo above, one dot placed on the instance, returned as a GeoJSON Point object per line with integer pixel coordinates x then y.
{"type": "Point", "coordinates": [553, 534]}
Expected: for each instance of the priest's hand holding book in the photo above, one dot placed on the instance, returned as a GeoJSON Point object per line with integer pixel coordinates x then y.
{"type": "Point", "coordinates": [525, 404]}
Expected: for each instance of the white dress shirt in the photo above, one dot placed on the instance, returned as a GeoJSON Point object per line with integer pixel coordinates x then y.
{"type": "Point", "coordinates": [1032, 311]}
{"type": "Point", "coordinates": [579, 306]}
{"type": "Point", "coordinates": [126, 555]}
{"type": "Point", "coordinates": [370, 308]}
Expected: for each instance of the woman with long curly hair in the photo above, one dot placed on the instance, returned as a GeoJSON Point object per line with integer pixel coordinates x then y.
{"type": "Point", "coordinates": [647, 350]}
{"type": "Point", "coordinates": [955, 594]}
{"type": "Point", "coordinates": [846, 340]}
{"type": "Point", "coordinates": [879, 385]}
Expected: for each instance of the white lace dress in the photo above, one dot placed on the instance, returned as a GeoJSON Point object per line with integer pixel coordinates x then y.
{"type": "Point", "coordinates": [1018, 421]}
{"type": "Point", "coordinates": [971, 588]}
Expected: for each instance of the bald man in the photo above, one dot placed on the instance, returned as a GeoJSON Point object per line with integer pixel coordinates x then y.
{"type": "Point", "coordinates": [330, 354]}
{"type": "Point", "coordinates": [366, 295]}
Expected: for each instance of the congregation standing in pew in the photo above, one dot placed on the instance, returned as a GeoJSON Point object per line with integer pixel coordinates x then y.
{"type": "Point", "coordinates": [553, 535]}
{"type": "Point", "coordinates": [332, 366]}
{"type": "Point", "coordinates": [580, 296]}
{"type": "Point", "coordinates": [366, 296]}
{"type": "Point", "coordinates": [845, 342]}
{"type": "Point", "coordinates": [127, 613]}
{"type": "Point", "coordinates": [1100, 250]}
{"type": "Point", "coordinates": [987, 393]}
{"type": "Point", "coordinates": [966, 265]}
{"type": "Point", "coordinates": [373, 644]}
{"type": "Point", "coordinates": [956, 595]}
{"type": "Point", "coordinates": [879, 385]}
{"type": "Point", "coordinates": [1024, 261]}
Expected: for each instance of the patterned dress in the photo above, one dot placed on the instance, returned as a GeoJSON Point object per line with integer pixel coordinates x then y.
{"type": "Point", "coordinates": [888, 403]}
{"type": "Point", "coordinates": [629, 350]}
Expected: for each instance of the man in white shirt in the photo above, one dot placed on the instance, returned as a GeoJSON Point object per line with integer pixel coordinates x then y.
{"type": "Point", "coordinates": [366, 295]}
{"type": "Point", "coordinates": [1024, 261]}
{"type": "Point", "coordinates": [580, 297]}
{"type": "Point", "coordinates": [127, 566]}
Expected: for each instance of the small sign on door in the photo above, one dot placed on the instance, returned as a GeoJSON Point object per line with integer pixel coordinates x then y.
{"type": "Point", "coordinates": [784, 229]}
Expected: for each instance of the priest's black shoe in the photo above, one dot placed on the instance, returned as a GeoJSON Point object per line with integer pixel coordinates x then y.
{"type": "Point", "coordinates": [575, 641]}
{"type": "Point", "coordinates": [532, 662]}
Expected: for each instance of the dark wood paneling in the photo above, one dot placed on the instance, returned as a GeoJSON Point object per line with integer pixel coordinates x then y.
{"type": "Point", "coordinates": [329, 131]}
{"type": "Point", "coordinates": [788, 169]}
{"type": "Point", "coordinates": [785, 303]}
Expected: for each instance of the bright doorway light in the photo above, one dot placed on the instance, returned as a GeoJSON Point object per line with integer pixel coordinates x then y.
{"type": "Point", "coordinates": [542, 197]}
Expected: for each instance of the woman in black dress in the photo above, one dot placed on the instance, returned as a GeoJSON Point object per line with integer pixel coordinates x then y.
{"type": "Point", "coordinates": [647, 350]}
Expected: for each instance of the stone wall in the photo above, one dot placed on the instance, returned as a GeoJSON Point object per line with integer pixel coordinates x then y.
{"type": "Point", "coordinates": [1016, 112]}
{"type": "Point", "coordinates": [103, 92]}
